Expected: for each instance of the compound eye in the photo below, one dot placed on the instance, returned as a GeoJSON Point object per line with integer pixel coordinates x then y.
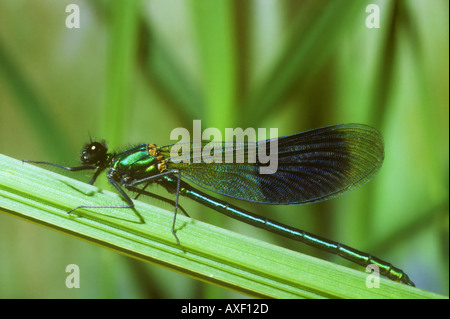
{"type": "Point", "coordinates": [95, 148]}
{"type": "Point", "coordinates": [94, 153]}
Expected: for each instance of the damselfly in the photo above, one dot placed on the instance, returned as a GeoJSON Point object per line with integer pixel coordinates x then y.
{"type": "Point", "coordinates": [313, 166]}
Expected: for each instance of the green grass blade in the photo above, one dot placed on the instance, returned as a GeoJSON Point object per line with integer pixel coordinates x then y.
{"type": "Point", "coordinates": [208, 253]}
{"type": "Point", "coordinates": [120, 70]}
{"type": "Point", "coordinates": [214, 29]}
{"type": "Point", "coordinates": [312, 40]}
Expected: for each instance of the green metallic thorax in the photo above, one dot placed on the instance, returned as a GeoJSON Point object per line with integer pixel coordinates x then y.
{"type": "Point", "coordinates": [134, 164]}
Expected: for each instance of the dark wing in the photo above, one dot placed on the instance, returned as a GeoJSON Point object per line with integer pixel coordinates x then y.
{"type": "Point", "coordinates": [313, 166]}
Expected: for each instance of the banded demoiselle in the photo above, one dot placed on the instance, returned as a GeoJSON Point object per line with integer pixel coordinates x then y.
{"type": "Point", "coordinates": [313, 166]}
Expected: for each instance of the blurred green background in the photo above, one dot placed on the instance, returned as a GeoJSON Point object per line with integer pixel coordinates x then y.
{"type": "Point", "coordinates": [136, 70]}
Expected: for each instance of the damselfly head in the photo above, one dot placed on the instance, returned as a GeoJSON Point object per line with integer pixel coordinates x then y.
{"type": "Point", "coordinates": [94, 153]}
